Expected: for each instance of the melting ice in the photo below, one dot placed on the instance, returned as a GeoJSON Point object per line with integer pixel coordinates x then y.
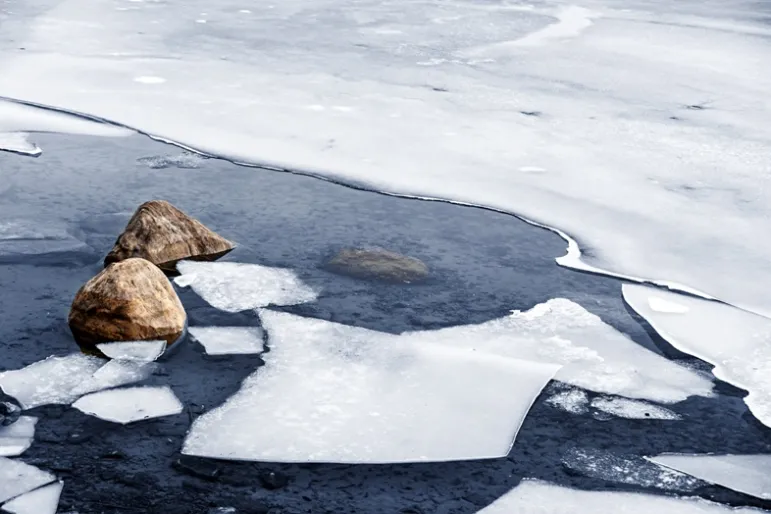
{"type": "Point", "coordinates": [228, 340]}
{"type": "Point", "coordinates": [130, 404]}
{"type": "Point", "coordinates": [18, 478]}
{"type": "Point", "coordinates": [44, 500]}
{"type": "Point", "coordinates": [16, 438]}
{"type": "Point", "coordinates": [633, 409]}
{"type": "Point", "coordinates": [144, 351]}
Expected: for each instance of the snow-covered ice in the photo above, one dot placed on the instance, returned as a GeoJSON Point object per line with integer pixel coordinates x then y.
{"type": "Point", "coordinates": [18, 142]}
{"type": "Point", "coordinates": [535, 496]}
{"type": "Point", "coordinates": [335, 393]}
{"type": "Point", "coordinates": [736, 342]}
{"type": "Point", "coordinates": [574, 401]}
{"type": "Point", "coordinates": [44, 500]}
{"type": "Point", "coordinates": [233, 286]}
{"type": "Point", "coordinates": [17, 437]}
{"type": "Point", "coordinates": [228, 340]}
{"type": "Point", "coordinates": [633, 409]}
{"type": "Point", "coordinates": [17, 478]}
{"type": "Point", "coordinates": [749, 474]}
{"type": "Point", "coordinates": [130, 404]}
{"type": "Point", "coordinates": [143, 351]}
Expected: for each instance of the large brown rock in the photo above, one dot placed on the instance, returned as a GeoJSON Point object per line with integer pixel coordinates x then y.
{"type": "Point", "coordinates": [378, 264]}
{"type": "Point", "coordinates": [164, 235]}
{"type": "Point", "coordinates": [131, 300]}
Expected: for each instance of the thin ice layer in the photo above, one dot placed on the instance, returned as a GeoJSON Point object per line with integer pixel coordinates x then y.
{"type": "Point", "coordinates": [40, 501]}
{"type": "Point", "coordinates": [143, 351]}
{"type": "Point", "coordinates": [335, 393]}
{"type": "Point", "coordinates": [736, 342]}
{"type": "Point", "coordinates": [633, 409]}
{"type": "Point", "coordinates": [15, 439]}
{"type": "Point", "coordinates": [229, 340]}
{"type": "Point", "coordinates": [18, 478]}
{"type": "Point", "coordinates": [115, 373]}
{"type": "Point", "coordinates": [17, 142]}
{"type": "Point", "coordinates": [594, 355]}
{"type": "Point", "coordinates": [26, 237]}
{"type": "Point", "coordinates": [574, 401]}
{"type": "Point", "coordinates": [534, 496]}
{"type": "Point", "coordinates": [749, 474]}
{"type": "Point", "coordinates": [130, 404]}
{"type": "Point", "coordinates": [233, 286]}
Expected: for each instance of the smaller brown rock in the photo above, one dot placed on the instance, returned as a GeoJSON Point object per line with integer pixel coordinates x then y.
{"type": "Point", "coordinates": [378, 264]}
{"type": "Point", "coordinates": [131, 300]}
{"type": "Point", "coordinates": [164, 235]}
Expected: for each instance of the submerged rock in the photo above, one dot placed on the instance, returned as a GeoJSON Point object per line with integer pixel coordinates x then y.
{"type": "Point", "coordinates": [164, 235]}
{"type": "Point", "coordinates": [378, 264]}
{"type": "Point", "coordinates": [131, 300]}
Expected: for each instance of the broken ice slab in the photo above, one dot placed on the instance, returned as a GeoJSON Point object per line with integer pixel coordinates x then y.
{"type": "Point", "coordinates": [130, 404]}
{"type": "Point", "coordinates": [17, 142]}
{"type": "Point", "coordinates": [17, 478]}
{"type": "Point", "coordinates": [748, 474]}
{"type": "Point", "coordinates": [234, 287]}
{"type": "Point", "coordinates": [736, 342]}
{"type": "Point", "coordinates": [44, 500]}
{"type": "Point", "coordinates": [16, 438]}
{"type": "Point", "coordinates": [145, 351]}
{"type": "Point", "coordinates": [633, 409]}
{"type": "Point", "coordinates": [335, 393]}
{"type": "Point", "coordinates": [229, 340]}
{"type": "Point", "coordinates": [115, 373]}
{"type": "Point", "coordinates": [532, 496]}
{"type": "Point", "coordinates": [594, 355]}
{"type": "Point", "coordinates": [605, 465]}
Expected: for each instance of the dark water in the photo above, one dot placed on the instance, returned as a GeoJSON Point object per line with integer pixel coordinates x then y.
{"type": "Point", "coordinates": [484, 264]}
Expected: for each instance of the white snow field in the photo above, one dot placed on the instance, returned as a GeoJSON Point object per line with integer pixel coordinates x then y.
{"type": "Point", "coordinates": [537, 497]}
{"type": "Point", "coordinates": [16, 438]}
{"type": "Point", "coordinates": [18, 478]}
{"type": "Point", "coordinates": [736, 342]}
{"type": "Point", "coordinates": [142, 351]}
{"type": "Point", "coordinates": [749, 474]}
{"type": "Point", "coordinates": [44, 500]}
{"type": "Point", "coordinates": [130, 404]}
{"type": "Point", "coordinates": [234, 286]}
{"type": "Point", "coordinates": [228, 340]}
{"type": "Point", "coordinates": [335, 393]}
{"type": "Point", "coordinates": [638, 127]}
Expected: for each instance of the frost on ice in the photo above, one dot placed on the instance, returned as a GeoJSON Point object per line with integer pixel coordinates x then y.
{"type": "Point", "coordinates": [633, 409]}
{"type": "Point", "coordinates": [143, 351]}
{"type": "Point", "coordinates": [17, 437]}
{"type": "Point", "coordinates": [130, 404]}
{"type": "Point", "coordinates": [748, 474]}
{"type": "Point", "coordinates": [44, 500]}
{"type": "Point", "coordinates": [736, 342]}
{"type": "Point", "coordinates": [532, 496]}
{"type": "Point", "coordinates": [233, 286]}
{"type": "Point", "coordinates": [335, 393]}
{"type": "Point", "coordinates": [17, 478]}
{"type": "Point", "coordinates": [228, 340]}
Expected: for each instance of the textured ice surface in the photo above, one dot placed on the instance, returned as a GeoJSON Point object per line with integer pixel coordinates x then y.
{"type": "Point", "coordinates": [428, 99]}
{"type": "Point", "coordinates": [335, 393]}
{"type": "Point", "coordinates": [23, 237]}
{"type": "Point", "coordinates": [115, 373]}
{"type": "Point", "coordinates": [574, 401]}
{"type": "Point", "coordinates": [18, 478]}
{"type": "Point", "coordinates": [143, 351]}
{"type": "Point", "coordinates": [16, 438]}
{"type": "Point", "coordinates": [233, 287]}
{"type": "Point", "coordinates": [749, 474]}
{"type": "Point", "coordinates": [40, 501]}
{"type": "Point", "coordinates": [738, 343]}
{"type": "Point", "coordinates": [17, 142]}
{"type": "Point", "coordinates": [594, 355]}
{"type": "Point", "coordinates": [633, 409]}
{"type": "Point", "coordinates": [228, 340]}
{"type": "Point", "coordinates": [184, 160]}
{"type": "Point", "coordinates": [606, 465]}
{"type": "Point", "coordinates": [130, 404]}
{"type": "Point", "coordinates": [536, 497]}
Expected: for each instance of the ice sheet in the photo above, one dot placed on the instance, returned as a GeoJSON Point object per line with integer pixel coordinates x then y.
{"type": "Point", "coordinates": [633, 409]}
{"type": "Point", "coordinates": [143, 351]}
{"type": "Point", "coordinates": [335, 393]}
{"type": "Point", "coordinates": [17, 142]}
{"type": "Point", "coordinates": [233, 286]}
{"type": "Point", "coordinates": [16, 438]}
{"type": "Point", "coordinates": [738, 343]}
{"type": "Point", "coordinates": [40, 501]}
{"type": "Point", "coordinates": [130, 404]}
{"type": "Point", "coordinates": [18, 478]}
{"type": "Point", "coordinates": [228, 340]}
{"type": "Point", "coordinates": [534, 496]}
{"type": "Point", "coordinates": [659, 179]}
{"type": "Point", "coordinates": [749, 474]}
{"type": "Point", "coordinates": [594, 355]}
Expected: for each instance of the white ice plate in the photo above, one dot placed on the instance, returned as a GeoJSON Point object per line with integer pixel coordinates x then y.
{"type": "Point", "coordinates": [335, 393]}
{"type": "Point", "coordinates": [228, 340]}
{"type": "Point", "coordinates": [144, 351]}
{"type": "Point", "coordinates": [44, 500]}
{"type": "Point", "coordinates": [16, 438]}
{"type": "Point", "coordinates": [130, 404]}
{"type": "Point", "coordinates": [17, 142]}
{"type": "Point", "coordinates": [633, 409]}
{"type": "Point", "coordinates": [18, 478]}
{"type": "Point", "coordinates": [115, 373]}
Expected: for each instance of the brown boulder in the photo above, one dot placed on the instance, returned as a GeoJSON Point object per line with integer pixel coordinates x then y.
{"type": "Point", "coordinates": [131, 300]}
{"type": "Point", "coordinates": [378, 264]}
{"type": "Point", "coordinates": [164, 235]}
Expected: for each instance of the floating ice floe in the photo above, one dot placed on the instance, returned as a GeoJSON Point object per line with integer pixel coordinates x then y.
{"type": "Point", "coordinates": [748, 474]}
{"type": "Point", "coordinates": [16, 438]}
{"type": "Point", "coordinates": [633, 409]}
{"type": "Point", "coordinates": [130, 404]}
{"type": "Point", "coordinates": [17, 478]}
{"type": "Point", "coordinates": [17, 142]}
{"type": "Point", "coordinates": [234, 287]}
{"type": "Point", "coordinates": [44, 500]}
{"type": "Point", "coordinates": [144, 351]}
{"type": "Point", "coordinates": [228, 340]}
{"type": "Point", "coordinates": [26, 237]}
{"type": "Point", "coordinates": [115, 373]}
{"type": "Point", "coordinates": [634, 470]}
{"type": "Point", "coordinates": [574, 401]}
{"type": "Point", "coordinates": [534, 496]}
{"type": "Point", "coordinates": [335, 393]}
{"type": "Point", "coordinates": [736, 342]}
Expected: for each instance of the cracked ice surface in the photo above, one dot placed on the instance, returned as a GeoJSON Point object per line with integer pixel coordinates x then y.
{"type": "Point", "coordinates": [18, 478]}
{"type": "Point", "coordinates": [143, 351]}
{"type": "Point", "coordinates": [44, 500]}
{"type": "Point", "coordinates": [130, 404]}
{"type": "Point", "coordinates": [15, 439]}
{"type": "Point", "coordinates": [664, 179]}
{"type": "Point", "coordinates": [335, 393]}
